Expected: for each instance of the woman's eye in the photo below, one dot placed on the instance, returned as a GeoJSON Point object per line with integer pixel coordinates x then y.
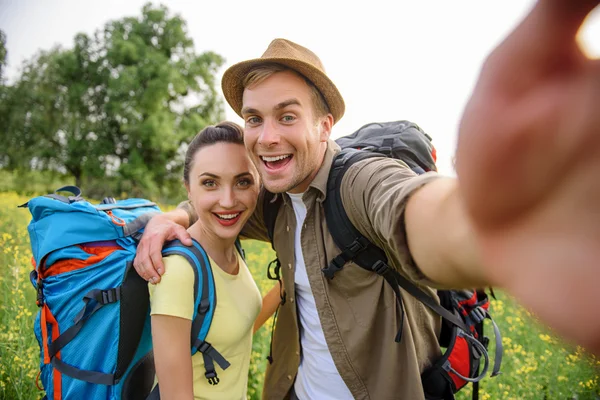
{"type": "Point", "coordinates": [245, 182]}
{"type": "Point", "coordinates": [209, 183]}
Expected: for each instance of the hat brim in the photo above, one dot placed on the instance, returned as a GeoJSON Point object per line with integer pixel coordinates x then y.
{"type": "Point", "coordinates": [233, 89]}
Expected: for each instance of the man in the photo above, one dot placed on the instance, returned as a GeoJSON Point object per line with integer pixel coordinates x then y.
{"type": "Point", "coordinates": [525, 217]}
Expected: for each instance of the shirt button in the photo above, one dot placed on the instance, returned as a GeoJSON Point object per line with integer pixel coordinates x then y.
{"type": "Point", "coordinates": [290, 266]}
{"type": "Point", "coordinates": [289, 377]}
{"type": "Point", "coordinates": [287, 228]}
{"type": "Point", "coordinates": [292, 299]}
{"type": "Point", "coordinates": [297, 352]}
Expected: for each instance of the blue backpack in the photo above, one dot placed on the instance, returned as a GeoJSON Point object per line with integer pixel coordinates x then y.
{"type": "Point", "coordinates": [93, 327]}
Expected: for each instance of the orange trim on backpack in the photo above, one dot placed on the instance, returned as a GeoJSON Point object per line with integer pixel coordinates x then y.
{"type": "Point", "coordinates": [434, 154]}
{"type": "Point", "coordinates": [48, 318]}
{"type": "Point", "coordinates": [37, 380]}
{"type": "Point", "coordinates": [97, 254]}
{"type": "Point", "coordinates": [460, 361]}
{"type": "Point", "coordinates": [116, 220]}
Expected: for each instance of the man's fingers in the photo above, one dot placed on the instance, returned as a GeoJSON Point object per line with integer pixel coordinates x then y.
{"type": "Point", "coordinates": [138, 262]}
{"type": "Point", "coordinates": [183, 235]}
{"type": "Point", "coordinates": [143, 262]}
{"type": "Point", "coordinates": [544, 43]}
{"type": "Point", "coordinates": [563, 17]}
{"type": "Point", "coordinates": [148, 262]}
{"type": "Point", "coordinates": [157, 267]}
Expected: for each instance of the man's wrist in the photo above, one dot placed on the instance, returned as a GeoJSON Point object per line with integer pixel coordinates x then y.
{"type": "Point", "coordinates": [187, 219]}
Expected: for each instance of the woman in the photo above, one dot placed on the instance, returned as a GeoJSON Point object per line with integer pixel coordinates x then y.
{"type": "Point", "coordinates": [222, 185]}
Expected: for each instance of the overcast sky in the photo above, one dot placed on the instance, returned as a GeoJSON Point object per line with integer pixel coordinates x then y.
{"type": "Point", "coordinates": [415, 60]}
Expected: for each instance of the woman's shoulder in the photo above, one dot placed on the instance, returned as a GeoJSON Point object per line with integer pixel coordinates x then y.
{"type": "Point", "coordinates": [177, 267]}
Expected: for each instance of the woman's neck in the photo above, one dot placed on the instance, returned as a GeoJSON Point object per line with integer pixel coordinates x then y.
{"type": "Point", "coordinates": [222, 251]}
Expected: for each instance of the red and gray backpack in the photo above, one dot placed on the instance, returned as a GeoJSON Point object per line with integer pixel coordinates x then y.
{"type": "Point", "coordinates": [463, 312]}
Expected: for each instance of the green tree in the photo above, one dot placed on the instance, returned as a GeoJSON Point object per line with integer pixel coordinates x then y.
{"type": "Point", "coordinates": [120, 103]}
{"type": "Point", "coordinates": [3, 54]}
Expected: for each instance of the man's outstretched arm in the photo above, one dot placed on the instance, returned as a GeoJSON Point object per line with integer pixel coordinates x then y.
{"type": "Point", "coordinates": [161, 228]}
{"type": "Point", "coordinates": [527, 202]}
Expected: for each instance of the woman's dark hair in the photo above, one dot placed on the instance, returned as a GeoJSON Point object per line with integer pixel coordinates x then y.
{"type": "Point", "coordinates": [224, 132]}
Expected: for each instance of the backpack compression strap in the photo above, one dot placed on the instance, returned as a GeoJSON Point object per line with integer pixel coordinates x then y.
{"type": "Point", "coordinates": [133, 289]}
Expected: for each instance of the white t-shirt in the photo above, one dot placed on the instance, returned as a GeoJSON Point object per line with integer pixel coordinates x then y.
{"type": "Point", "coordinates": [318, 378]}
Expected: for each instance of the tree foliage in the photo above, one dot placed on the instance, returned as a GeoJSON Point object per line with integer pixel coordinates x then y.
{"type": "Point", "coordinates": [3, 55]}
{"type": "Point", "coordinates": [120, 103]}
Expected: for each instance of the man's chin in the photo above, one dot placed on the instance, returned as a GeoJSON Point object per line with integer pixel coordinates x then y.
{"type": "Point", "coordinates": [278, 185]}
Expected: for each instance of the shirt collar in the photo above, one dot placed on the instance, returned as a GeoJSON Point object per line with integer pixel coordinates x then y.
{"type": "Point", "coordinates": [320, 180]}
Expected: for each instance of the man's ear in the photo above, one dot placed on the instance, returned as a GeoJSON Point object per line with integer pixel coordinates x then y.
{"type": "Point", "coordinates": [326, 124]}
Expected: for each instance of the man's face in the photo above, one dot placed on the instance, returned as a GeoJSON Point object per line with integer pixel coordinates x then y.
{"type": "Point", "coordinates": [282, 135]}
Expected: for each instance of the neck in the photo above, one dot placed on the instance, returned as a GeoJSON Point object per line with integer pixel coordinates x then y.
{"type": "Point", "coordinates": [222, 251]}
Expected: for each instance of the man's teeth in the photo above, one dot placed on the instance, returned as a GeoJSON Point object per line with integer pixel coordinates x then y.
{"type": "Point", "coordinates": [276, 158]}
{"type": "Point", "coordinates": [227, 216]}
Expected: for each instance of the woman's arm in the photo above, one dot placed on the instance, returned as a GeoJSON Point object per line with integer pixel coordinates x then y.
{"type": "Point", "coordinates": [172, 357]}
{"type": "Point", "coordinates": [269, 305]}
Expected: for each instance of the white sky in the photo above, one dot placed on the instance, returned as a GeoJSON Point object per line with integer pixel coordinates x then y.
{"type": "Point", "coordinates": [415, 60]}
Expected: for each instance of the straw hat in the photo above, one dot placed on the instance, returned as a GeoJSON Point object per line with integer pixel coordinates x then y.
{"type": "Point", "coordinates": [291, 55]}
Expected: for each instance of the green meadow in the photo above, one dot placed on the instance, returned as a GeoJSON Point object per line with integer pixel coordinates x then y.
{"type": "Point", "coordinates": [536, 365]}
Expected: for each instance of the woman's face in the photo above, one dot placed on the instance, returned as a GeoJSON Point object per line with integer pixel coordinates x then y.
{"type": "Point", "coordinates": [223, 187]}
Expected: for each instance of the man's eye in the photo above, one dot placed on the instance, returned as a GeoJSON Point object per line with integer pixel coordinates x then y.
{"type": "Point", "coordinates": [288, 118]}
{"type": "Point", "coordinates": [253, 120]}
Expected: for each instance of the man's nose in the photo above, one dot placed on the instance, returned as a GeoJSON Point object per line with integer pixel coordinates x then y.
{"type": "Point", "coordinates": [269, 134]}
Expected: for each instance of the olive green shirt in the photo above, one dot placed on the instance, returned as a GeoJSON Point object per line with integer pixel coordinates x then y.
{"type": "Point", "coordinates": [357, 308]}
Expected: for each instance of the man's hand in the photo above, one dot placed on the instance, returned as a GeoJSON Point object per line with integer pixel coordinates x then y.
{"type": "Point", "coordinates": [148, 260]}
{"type": "Point", "coordinates": [528, 162]}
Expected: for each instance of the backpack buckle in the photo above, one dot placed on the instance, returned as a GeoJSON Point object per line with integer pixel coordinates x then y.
{"type": "Point", "coordinates": [387, 150]}
{"type": "Point", "coordinates": [204, 306]}
{"type": "Point", "coordinates": [204, 347]}
{"type": "Point", "coordinates": [357, 246]}
{"type": "Point", "coordinates": [380, 267]}
{"type": "Point", "coordinates": [110, 296]}
{"type": "Point", "coordinates": [212, 378]}
{"type": "Point", "coordinates": [477, 314]}
{"type": "Point", "coordinates": [334, 266]}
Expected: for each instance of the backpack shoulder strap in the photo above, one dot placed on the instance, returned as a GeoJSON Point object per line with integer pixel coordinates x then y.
{"type": "Point", "coordinates": [357, 248]}
{"type": "Point", "coordinates": [353, 245]}
{"type": "Point", "coordinates": [205, 303]}
{"type": "Point", "coordinates": [271, 205]}
{"type": "Point", "coordinates": [240, 249]}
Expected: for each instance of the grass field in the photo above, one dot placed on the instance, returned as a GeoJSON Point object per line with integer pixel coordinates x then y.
{"type": "Point", "coordinates": [536, 364]}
